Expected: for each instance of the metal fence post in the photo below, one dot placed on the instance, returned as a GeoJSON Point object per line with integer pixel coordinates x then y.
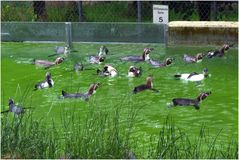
{"type": "Point", "coordinates": [68, 31]}
{"type": "Point", "coordinates": [166, 34]}
{"type": "Point", "coordinates": [80, 10]}
{"type": "Point", "coordinates": [139, 19]}
{"type": "Point", "coordinates": [213, 11]}
{"type": "Point", "coordinates": [139, 14]}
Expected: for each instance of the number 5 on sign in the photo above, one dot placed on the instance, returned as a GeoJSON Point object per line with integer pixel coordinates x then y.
{"type": "Point", "coordinates": [160, 14]}
{"type": "Point", "coordinates": [160, 19]}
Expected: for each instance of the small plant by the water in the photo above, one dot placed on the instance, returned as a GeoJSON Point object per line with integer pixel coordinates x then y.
{"type": "Point", "coordinates": [106, 135]}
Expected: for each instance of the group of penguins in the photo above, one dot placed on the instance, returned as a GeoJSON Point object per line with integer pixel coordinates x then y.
{"type": "Point", "coordinates": [109, 70]}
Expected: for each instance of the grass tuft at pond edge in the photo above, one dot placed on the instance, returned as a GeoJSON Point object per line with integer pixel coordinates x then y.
{"type": "Point", "coordinates": [104, 134]}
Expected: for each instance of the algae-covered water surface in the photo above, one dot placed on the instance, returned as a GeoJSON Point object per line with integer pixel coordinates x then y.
{"type": "Point", "coordinates": [218, 111]}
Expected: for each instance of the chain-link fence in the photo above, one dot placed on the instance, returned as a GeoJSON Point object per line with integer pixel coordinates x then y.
{"type": "Point", "coordinates": [84, 32]}
{"type": "Point", "coordinates": [116, 11]}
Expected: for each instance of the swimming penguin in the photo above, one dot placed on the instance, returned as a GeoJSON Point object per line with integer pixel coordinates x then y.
{"type": "Point", "coordinates": [134, 71]}
{"type": "Point", "coordinates": [85, 96]}
{"type": "Point", "coordinates": [48, 64]}
{"type": "Point", "coordinates": [220, 52]}
{"type": "Point", "coordinates": [193, 59]}
{"type": "Point", "coordinates": [78, 67]}
{"type": "Point", "coordinates": [165, 63]}
{"type": "Point", "coordinates": [96, 59]}
{"type": "Point", "coordinates": [108, 70]}
{"type": "Point", "coordinates": [144, 57]}
{"type": "Point", "coordinates": [147, 86]}
{"type": "Point", "coordinates": [61, 50]}
{"type": "Point", "coordinates": [17, 110]}
{"type": "Point", "coordinates": [190, 102]}
{"type": "Point", "coordinates": [192, 76]}
{"type": "Point", "coordinates": [100, 58]}
{"type": "Point", "coordinates": [103, 51]}
{"type": "Point", "coordinates": [47, 83]}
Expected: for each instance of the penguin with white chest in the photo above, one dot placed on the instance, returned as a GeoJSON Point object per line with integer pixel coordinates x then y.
{"type": "Point", "coordinates": [108, 71]}
{"type": "Point", "coordinates": [100, 58]}
{"type": "Point", "coordinates": [134, 71]}
{"type": "Point", "coordinates": [194, 76]}
{"type": "Point", "coordinates": [47, 83]}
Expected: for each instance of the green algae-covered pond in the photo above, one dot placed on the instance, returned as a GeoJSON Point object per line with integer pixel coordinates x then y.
{"type": "Point", "coordinates": [218, 111]}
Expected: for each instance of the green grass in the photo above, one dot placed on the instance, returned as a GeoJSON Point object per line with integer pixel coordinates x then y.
{"type": "Point", "coordinates": [98, 135]}
{"type": "Point", "coordinates": [175, 16]}
{"type": "Point", "coordinates": [108, 12]}
{"type": "Point", "coordinates": [105, 135]}
{"type": "Point", "coordinates": [227, 15]}
{"type": "Point", "coordinates": [100, 12]}
{"type": "Point", "coordinates": [13, 11]}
